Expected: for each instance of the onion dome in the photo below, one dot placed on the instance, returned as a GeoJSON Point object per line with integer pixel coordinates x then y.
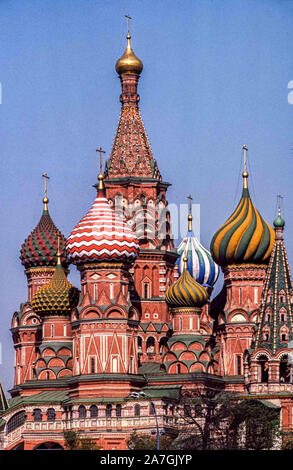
{"type": "Point", "coordinates": [200, 263]}
{"type": "Point", "coordinates": [128, 62]}
{"type": "Point", "coordinates": [186, 292]}
{"type": "Point", "coordinates": [279, 222]}
{"type": "Point", "coordinates": [245, 237]}
{"type": "Point", "coordinates": [101, 234]}
{"type": "Point", "coordinates": [40, 247]}
{"type": "Point", "coordinates": [58, 297]}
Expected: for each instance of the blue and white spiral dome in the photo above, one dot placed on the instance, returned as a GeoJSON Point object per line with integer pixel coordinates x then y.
{"type": "Point", "coordinates": [200, 263]}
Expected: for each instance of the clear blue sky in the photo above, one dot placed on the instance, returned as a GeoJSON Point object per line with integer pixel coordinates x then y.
{"type": "Point", "coordinates": [215, 77]}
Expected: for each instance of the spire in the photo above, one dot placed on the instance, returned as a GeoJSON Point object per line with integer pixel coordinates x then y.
{"type": "Point", "coordinates": [131, 154]}
{"type": "Point", "coordinates": [275, 328]}
{"type": "Point", "coordinates": [189, 214]}
{"type": "Point", "coordinates": [279, 222]}
{"type": "Point", "coordinates": [101, 186]}
{"type": "Point", "coordinates": [244, 174]}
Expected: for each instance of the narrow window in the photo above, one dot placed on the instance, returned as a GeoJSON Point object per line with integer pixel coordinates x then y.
{"type": "Point", "coordinates": [111, 291]}
{"type": "Point", "coordinates": [93, 411]}
{"type": "Point", "coordinates": [95, 292]}
{"type": "Point", "coordinates": [64, 330]}
{"type": "Point", "coordinates": [239, 365]}
{"type": "Point", "coordinates": [52, 331]}
{"type": "Point", "coordinates": [109, 411]}
{"type": "Point", "coordinates": [118, 411]}
{"type": "Point", "coordinates": [240, 295]}
{"type": "Point", "coordinates": [51, 415]}
{"type": "Point", "coordinates": [137, 411]}
{"type": "Point", "coordinates": [93, 365]}
{"type": "Point", "coordinates": [178, 368]}
{"type": "Point", "coordinates": [115, 364]}
{"type": "Point", "coordinates": [146, 290]}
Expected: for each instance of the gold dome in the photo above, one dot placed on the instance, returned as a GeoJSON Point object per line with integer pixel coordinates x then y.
{"type": "Point", "coordinates": [129, 63]}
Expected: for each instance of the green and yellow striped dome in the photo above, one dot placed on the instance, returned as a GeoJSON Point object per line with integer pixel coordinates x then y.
{"type": "Point", "coordinates": [186, 292]}
{"type": "Point", "coordinates": [245, 238]}
{"type": "Point", "coordinates": [58, 297]}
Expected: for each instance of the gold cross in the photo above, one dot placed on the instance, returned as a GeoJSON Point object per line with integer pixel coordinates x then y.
{"type": "Point", "coordinates": [245, 150]}
{"type": "Point", "coordinates": [44, 175]}
{"type": "Point", "coordinates": [128, 17]}
{"type": "Point", "coordinates": [101, 151]}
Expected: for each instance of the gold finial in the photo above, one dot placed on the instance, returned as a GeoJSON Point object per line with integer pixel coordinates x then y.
{"type": "Point", "coordinates": [244, 174]}
{"type": "Point", "coordinates": [189, 213]}
{"type": "Point", "coordinates": [45, 199]}
{"type": "Point", "coordinates": [184, 262]}
{"type": "Point", "coordinates": [128, 62]}
{"type": "Point", "coordinates": [58, 254]}
{"type": "Point", "coordinates": [100, 177]}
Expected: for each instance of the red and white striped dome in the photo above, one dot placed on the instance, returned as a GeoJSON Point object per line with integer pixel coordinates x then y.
{"type": "Point", "coordinates": [101, 234]}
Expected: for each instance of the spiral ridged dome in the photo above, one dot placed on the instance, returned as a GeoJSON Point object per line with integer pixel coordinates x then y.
{"type": "Point", "coordinates": [200, 263]}
{"type": "Point", "coordinates": [186, 292]}
{"type": "Point", "coordinates": [128, 62]}
{"type": "Point", "coordinates": [58, 297]}
{"type": "Point", "coordinates": [40, 247]}
{"type": "Point", "coordinates": [244, 238]}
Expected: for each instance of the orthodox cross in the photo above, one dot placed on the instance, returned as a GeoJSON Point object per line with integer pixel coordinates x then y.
{"type": "Point", "coordinates": [44, 175]}
{"type": "Point", "coordinates": [101, 151]}
{"type": "Point", "coordinates": [128, 17]}
{"type": "Point", "coordinates": [190, 199]}
{"type": "Point", "coordinates": [245, 149]}
{"type": "Point", "coordinates": [279, 198]}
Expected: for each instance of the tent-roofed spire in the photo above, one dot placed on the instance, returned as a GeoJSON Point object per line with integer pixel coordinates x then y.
{"type": "Point", "coordinates": [131, 154]}
{"type": "Point", "coordinates": [275, 328]}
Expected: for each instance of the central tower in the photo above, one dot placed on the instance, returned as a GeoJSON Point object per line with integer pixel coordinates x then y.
{"type": "Point", "coordinates": [134, 187]}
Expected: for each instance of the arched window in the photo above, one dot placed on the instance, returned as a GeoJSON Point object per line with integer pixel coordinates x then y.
{"type": "Point", "coordinates": [81, 412]}
{"type": "Point", "coordinates": [93, 411]}
{"type": "Point", "coordinates": [264, 368]}
{"type": "Point", "coordinates": [139, 345]}
{"type": "Point", "coordinates": [16, 421]}
{"type": "Point", "coordinates": [118, 411]}
{"type": "Point", "coordinates": [284, 337]}
{"type": "Point", "coordinates": [37, 415]}
{"type": "Point", "coordinates": [137, 410]}
{"type": "Point", "coordinates": [150, 345]}
{"type": "Point", "coordinates": [109, 411]}
{"type": "Point", "coordinates": [285, 370]}
{"type": "Point", "coordinates": [51, 415]}
{"type": "Point", "coordinates": [152, 409]}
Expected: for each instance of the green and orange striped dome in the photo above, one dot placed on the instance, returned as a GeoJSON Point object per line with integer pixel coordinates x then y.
{"type": "Point", "coordinates": [245, 238]}
{"type": "Point", "coordinates": [186, 292]}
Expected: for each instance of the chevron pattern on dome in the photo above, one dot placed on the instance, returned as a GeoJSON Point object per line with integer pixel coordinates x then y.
{"type": "Point", "coordinates": [186, 292]}
{"type": "Point", "coordinates": [101, 234]}
{"type": "Point", "coordinates": [40, 247]}
{"type": "Point", "coordinates": [244, 238]}
{"type": "Point", "coordinates": [58, 297]}
{"type": "Point", "coordinates": [200, 263]}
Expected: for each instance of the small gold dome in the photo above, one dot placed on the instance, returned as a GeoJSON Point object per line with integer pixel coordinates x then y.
{"type": "Point", "coordinates": [129, 63]}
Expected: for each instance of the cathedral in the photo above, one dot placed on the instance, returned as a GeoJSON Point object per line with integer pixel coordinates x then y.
{"type": "Point", "coordinates": [104, 358]}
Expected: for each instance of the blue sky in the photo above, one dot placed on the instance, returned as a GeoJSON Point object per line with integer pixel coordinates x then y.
{"type": "Point", "coordinates": [215, 77]}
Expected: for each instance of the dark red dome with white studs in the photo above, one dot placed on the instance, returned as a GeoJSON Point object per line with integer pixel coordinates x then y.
{"type": "Point", "coordinates": [101, 234]}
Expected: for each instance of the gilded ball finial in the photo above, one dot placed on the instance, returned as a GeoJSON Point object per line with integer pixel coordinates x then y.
{"type": "Point", "coordinates": [128, 62]}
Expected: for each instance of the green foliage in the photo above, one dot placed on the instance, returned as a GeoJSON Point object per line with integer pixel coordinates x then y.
{"type": "Point", "coordinates": [73, 441]}
{"type": "Point", "coordinates": [145, 442]}
{"type": "Point", "coordinates": [221, 421]}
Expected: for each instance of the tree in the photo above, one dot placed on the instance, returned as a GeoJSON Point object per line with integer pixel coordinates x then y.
{"type": "Point", "coordinates": [73, 441]}
{"type": "Point", "coordinates": [213, 420]}
{"type": "Point", "coordinates": [145, 442]}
